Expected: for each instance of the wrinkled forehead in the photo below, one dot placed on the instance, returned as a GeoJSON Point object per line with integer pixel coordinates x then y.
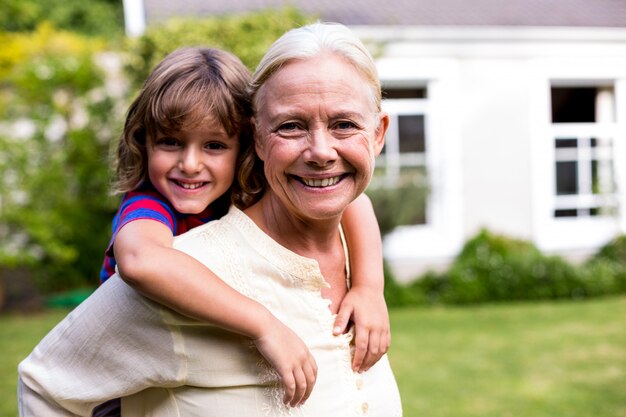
{"type": "Point", "coordinates": [313, 73]}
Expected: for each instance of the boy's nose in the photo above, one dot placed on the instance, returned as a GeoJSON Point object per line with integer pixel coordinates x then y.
{"type": "Point", "coordinates": [190, 161]}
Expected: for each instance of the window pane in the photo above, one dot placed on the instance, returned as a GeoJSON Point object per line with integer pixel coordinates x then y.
{"type": "Point", "coordinates": [573, 104]}
{"type": "Point", "coordinates": [566, 213]}
{"type": "Point", "coordinates": [566, 143]}
{"type": "Point", "coordinates": [595, 179]}
{"type": "Point", "coordinates": [406, 93]}
{"type": "Point", "coordinates": [566, 178]}
{"type": "Point", "coordinates": [411, 134]}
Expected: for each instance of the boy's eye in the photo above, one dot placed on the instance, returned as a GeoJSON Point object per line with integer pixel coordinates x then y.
{"type": "Point", "coordinates": [167, 142]}
{"type": "Point", "coordinates": [215, 146]}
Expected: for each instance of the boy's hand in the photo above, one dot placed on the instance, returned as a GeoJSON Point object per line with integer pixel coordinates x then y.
{"type": "Point", "coordinates": [368, 311]}
{"type": "Point", "coordinates": [291, 358]}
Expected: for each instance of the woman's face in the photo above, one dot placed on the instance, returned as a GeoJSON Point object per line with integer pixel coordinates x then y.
{"type": "Point", "coordinates": [318, 132]}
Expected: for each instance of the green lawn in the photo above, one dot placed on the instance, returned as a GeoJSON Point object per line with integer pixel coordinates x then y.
{"type": "Point", "coordinates": [18, 336]}
{"type": "Point", "coordinates": [513, 360]}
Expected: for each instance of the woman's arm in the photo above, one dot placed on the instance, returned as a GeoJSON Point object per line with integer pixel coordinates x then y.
{"type": "Point", "coordinates": [113, 344]}
{"type": "Point", "coordinates": [147, 261]}
{"type": "Point", "coordinates": [365, 302]}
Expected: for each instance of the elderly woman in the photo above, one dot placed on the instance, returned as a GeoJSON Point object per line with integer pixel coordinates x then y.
{"type": "Point", "coordinates": [318, 129]}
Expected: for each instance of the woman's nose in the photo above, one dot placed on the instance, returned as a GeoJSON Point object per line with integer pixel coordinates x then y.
{"type": "Point", "coordinates": [321, 148]}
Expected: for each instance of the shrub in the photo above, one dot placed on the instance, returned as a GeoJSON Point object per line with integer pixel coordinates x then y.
{"type": "Point", "coordinates": [614, 251]}
{"type": "Point", "coordinates": [54, 144]}
{"type": "Point", "coordinates": [397, 295]}
{"type": "Point", "coordinates": [95, 17]}
{"type": "Point", "coordinates": [605, 272]}
{"type": "Point", "coordinates": [496, 268]}
{"type": "Point", "coordinates": [491, 268]}
{"type": "Point", "coordinates": [246, 35]}
{"type": "Point", "coordinates": [401, 205]}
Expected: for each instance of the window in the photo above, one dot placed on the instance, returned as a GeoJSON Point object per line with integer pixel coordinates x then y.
{"type": "Point", "coordinates": [582, 123]}
{"type": "Point", "coordinates": [402, 163]}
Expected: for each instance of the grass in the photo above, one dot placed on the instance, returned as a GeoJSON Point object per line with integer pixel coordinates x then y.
{"type": "Point", "coordinates": [18, 336]}
{"type": "Point", "coordinates": [512, 360]}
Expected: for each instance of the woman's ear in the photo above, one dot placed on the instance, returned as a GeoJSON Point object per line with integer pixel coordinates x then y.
{"type": "Point", "coordinates": [381, 131]}
{"type": "Point", "coordinates": [258, 142]}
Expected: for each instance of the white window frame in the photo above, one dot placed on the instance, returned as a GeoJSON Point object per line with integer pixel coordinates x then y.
{"type": "Point", "coordinates": [583, 234]}
{"type": "Point", "coordinates": [583, 154]}
{"type": "Point", "coordinates": [409, 248]}
{"type": "Point", "coordinates": [392, 160]}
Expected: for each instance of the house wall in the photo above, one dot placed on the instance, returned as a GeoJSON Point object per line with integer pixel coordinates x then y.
{"type": "Point", "coordinates": [491, 151]}
{"type": "Point", "coordinates": [496, 149]}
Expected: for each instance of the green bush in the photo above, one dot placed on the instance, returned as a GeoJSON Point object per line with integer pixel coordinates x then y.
{"type": "Point", "coordinates": [246, 35]}
{"type": "Point", "coordinates": [55, 214]}
{"type": "Point", "coordinates": [606, 271]}
{"type": "Point", "coordinates": [614, 251]}
{"type": "Point", "coordinates": [397, 295]}
{"type": "Point", "coordinates": [401, 205]}
{"type": "Point", "coordinates": [496, 268]}
{"type": "Point", "coordinates": [94, 17]}
{"type": "Point", "coordinates": [493, 268]}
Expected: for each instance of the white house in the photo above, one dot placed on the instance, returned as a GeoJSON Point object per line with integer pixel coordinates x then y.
{"type": "Point", "coordinates": [516, 109]}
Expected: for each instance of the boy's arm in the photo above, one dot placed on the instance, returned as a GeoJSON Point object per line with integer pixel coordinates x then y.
{"type": "Point", "coordinates": [147, 261]}
{"type": "Point", "coordinates": [365, 302]}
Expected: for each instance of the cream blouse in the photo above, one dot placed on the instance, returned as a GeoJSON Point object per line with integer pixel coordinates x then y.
{"type": "Point", "coordinates": [165, 364]}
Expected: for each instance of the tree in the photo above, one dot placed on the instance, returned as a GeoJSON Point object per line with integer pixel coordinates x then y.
{"type": "Point", "coordinates": [94, 17]}
{"type": "Point", "coordinates": [246, 35]}
{"type": "Point", "coordinates": [59, 122]}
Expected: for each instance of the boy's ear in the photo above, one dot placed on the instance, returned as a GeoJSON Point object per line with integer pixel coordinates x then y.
{"type": "Point", "coordinates": [258, 142]}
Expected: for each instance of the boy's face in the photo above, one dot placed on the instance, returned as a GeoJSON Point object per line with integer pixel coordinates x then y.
{"type": "Point", "coordinates": [193, 167]}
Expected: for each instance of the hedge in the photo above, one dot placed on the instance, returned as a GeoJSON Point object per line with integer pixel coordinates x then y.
{"type": "Point", "coordinates": [493, 268]}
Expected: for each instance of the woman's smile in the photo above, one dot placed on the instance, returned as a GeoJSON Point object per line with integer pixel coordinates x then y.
{"type": "Point", "coordinates": [320, 182]}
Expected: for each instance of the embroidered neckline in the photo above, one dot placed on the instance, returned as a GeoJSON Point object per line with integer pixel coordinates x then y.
{"type": "Point", "coordinates": [304, 271]}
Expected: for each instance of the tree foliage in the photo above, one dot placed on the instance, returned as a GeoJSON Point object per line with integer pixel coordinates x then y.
{"type": "Point", "coordinates": [94, 17]}
{"type": "Point", "coordinates": [494, 268]}
{"type": "Point", "coordinates": [58, 121]}
{"type": "Point", "coordinates": [246, 35]}
{"type": "Point", "coordinates": [59, 118]}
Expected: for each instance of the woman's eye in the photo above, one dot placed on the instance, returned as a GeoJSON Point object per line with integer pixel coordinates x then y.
{"type": "Point", "coordinates": [288, 127]}
{"type": "Point", "coordinates": [343, 125]}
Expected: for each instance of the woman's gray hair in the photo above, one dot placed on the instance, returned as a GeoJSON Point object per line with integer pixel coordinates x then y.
{"type": "Point", "coordinates": [310, 41]}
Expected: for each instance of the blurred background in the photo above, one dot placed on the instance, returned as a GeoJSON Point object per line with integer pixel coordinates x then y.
{"type": "Point", "coordinates": [501, 191]}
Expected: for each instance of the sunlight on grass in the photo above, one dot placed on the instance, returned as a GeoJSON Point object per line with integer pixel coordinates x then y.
{"type": "Point", "coordinates": [518, 360]}
{"type": "Point", "coordinates": [18, 336]}
{"type": "Point", "coordinates": [564, 359]}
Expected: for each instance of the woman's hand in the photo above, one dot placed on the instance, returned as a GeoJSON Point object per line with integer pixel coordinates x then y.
{"type": "Point", "coordinates": [368, 310]}
{"type": "Point", "coordinates": [291, 358]}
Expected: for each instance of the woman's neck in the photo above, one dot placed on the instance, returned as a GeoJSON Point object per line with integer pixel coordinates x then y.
{"type": "Point", "coordinates": [314, 239]}
{"type": "Point", "coordinates": [307, 237]}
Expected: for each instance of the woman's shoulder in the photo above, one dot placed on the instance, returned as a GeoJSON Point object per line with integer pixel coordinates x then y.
{"type": "Point", "coordinates": [221, 226]}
